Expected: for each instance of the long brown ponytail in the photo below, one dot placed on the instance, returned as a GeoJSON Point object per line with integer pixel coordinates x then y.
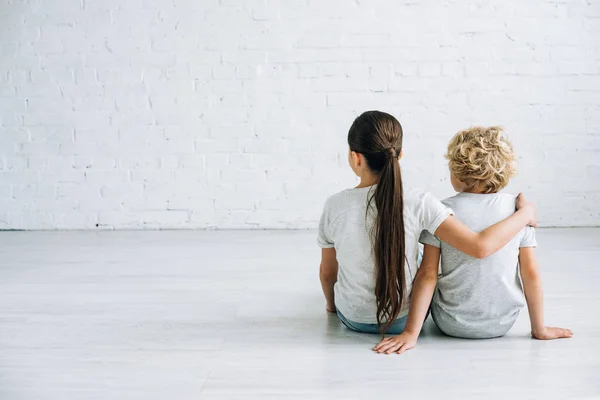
{"type": "Point", "coordinates": [378, 137]}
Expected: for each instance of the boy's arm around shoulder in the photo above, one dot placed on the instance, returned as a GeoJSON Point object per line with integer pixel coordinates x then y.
{"type": "Point", "coordinates": [491, 239]}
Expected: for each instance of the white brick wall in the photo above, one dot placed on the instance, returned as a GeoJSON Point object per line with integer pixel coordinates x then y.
{"type": "Point", "coordinates": [233, 114]}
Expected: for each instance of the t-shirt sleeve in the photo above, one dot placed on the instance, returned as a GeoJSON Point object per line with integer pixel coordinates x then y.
{"type": "Point", "coordinates": [433, 212]}
{"type": "Point", "coordinates": [428, 238]}
{"type": "Point", "coordinates": [528, 239]}
{"type": "Point", "coordinates": [324, 237]}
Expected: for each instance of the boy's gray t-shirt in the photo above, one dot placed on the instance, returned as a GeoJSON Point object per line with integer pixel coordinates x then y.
{"type": "Point", "coordinates": [479, 298]}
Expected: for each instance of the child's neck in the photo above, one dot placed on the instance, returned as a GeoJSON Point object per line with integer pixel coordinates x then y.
{"type": "Point", "coordinates": [366, 181]}
{"type": "Point", "coordinates": [477, 191]}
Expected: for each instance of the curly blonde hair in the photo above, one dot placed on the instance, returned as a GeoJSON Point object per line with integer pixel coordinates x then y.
{"type": "Point", "coordinates": [482, 156]}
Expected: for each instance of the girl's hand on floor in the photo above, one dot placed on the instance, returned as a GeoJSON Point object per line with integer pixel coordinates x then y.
{"type": "Point", "coordinates": [397, 344]}
{"type": "Point", "coordinates": [549, 333]}
{"type": "Point", "coordinates": [330, 308]}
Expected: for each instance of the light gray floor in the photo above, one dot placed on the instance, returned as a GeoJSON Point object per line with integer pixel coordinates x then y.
{"type": "Point", "coordinates": [239, 315]}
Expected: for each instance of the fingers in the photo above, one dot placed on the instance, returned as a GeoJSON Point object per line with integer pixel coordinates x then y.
{"type": "Point", "coordinates": [534, 223]}
{"type": "Point", "coordinates": [561, 333]}
{"type": "Point", "coordinates": [555, 333]}
{"type": "Point", "coordinates": [395, 344]}
{"type": "Point", "coordinates": [521, 200]}
{"type": "Point", "coordinates": [388, 346]}
{"type": "Point", "coordinates": [566, 333]}
{"type": "Point", "coordinates": [402, 349]}
{"type": "Point", "coordinates": [380, 344]}
{"type": "Point", "coordinates": [394, 347]}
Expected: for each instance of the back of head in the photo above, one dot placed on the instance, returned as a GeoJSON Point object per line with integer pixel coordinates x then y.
{"type": "Point", "coordinates": [378, 137]}
{"type": "Point", "coordinates": [482, 157]}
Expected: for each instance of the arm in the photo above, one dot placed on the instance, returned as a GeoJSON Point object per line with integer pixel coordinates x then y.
{"type": "Point", "coordinates": [420, 300]}
{"type": "Point", "coordinates": [492, 239]}
{"type": "Point", "coordinates": [532, 286]}
{"type": "Point", "coordinates": [328, 274]}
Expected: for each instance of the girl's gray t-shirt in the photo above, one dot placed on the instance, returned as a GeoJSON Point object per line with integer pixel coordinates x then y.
{"type": "Point", "coordinates": [479, 298]}
{"type": "Point", "coordinates": [345, 225]}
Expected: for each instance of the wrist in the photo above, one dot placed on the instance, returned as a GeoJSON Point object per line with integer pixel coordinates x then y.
{"type": "Point", "coordinates": [411, 332]}
{"type": "Point", "coordinates": [531, 215]}
{"type": "Point", "coordinates": [538, 330]}
{"type": "Point", "coordinates": [527, 211]}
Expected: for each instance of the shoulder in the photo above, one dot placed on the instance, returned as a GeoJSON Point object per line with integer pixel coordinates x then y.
{"type": "Point", "coordinates": [504, 201]}
{"type": "Point", "coordinates": [424, 204]}
{"type": "Point", "coordinates": [416, 195]}
{"type": "Point", "coordinates": [506, 196]}
{"type": "Point", "coordinates": [337, 199]}
{"type": "Point", "coordinates": [451, 201]}
{"type": "Point", "coordinates": [494, 198]}
{"type": "Point", "coordinates": [418, 199]}
{"type": "Point", "coordinates": [426, 211]}
{"type": "Point", "coordinates": [339, 203]}
{"type": "Point", "coordinates": [454, 201]}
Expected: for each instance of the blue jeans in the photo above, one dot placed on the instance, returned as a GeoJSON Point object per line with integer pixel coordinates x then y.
{"type": "Point", "coordinates": [395, 329]}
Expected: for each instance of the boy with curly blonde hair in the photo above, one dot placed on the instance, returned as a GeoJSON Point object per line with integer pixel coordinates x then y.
{"type": "Point", "coordinates": [481, 298]}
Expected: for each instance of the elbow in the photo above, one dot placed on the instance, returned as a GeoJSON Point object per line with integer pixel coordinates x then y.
{"type": "Point", "coordinates": [428, 277]}
{"type": "Point", "coordinates": [430, 280]}
{"type": "Point", "coordinates": [481, 251]}
{"type": "Point", "coordinates": [531, 275]}
{"type": "Point", "coordinates": [327, 274]}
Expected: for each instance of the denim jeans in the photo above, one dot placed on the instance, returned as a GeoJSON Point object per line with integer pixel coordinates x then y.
{"type": "Point", "coordinates": [395, 329]}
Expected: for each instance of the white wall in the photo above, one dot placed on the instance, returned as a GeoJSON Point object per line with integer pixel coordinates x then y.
{"type": "Point", "coordinates": [234, 114]}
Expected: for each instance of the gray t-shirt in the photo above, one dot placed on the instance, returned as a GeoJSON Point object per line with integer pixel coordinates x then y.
{"type": "Point", "coordinates": [343, 225]}
{"type": "Point", "coordinates": [479, 298]}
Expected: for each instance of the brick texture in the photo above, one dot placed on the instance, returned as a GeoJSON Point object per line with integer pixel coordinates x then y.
{"type": "Point", "coordinates": [233, 114]}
